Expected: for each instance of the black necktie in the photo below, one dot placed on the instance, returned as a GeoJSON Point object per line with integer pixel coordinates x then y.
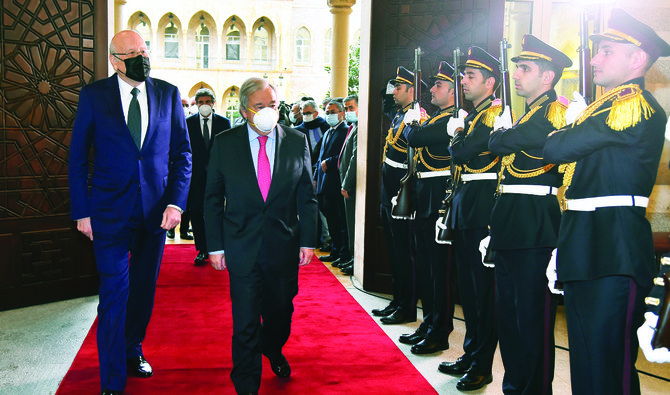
{"type": "Point", "coordinates": [205, 131]}
{"type": "Point", "coordinates": [135, 118]}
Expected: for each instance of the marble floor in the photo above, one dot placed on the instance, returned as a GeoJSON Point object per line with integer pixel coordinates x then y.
{"type": "Point", "coordinates": [39, 343]}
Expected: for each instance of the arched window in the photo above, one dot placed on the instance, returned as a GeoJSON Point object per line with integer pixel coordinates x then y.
{"type": "Point", "coordinates": [171, 38]}
{"type": "Point", "coordinates": [202, 46]}
{"type": "Point", "coordinates": [261, 44]}
{"type": "Point", "coordinates": [328, 46]}
{"type": "Point", "coordinates": [232, 105]}
{"type": "Point", "coordinates": [145, 31]}
{"type": "Point", "coordinates": [233, 45]}
{"type": "Point", "coordinates": [302, 46]}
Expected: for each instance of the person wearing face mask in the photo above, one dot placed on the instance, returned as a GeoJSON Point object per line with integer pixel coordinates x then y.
{"type": "Point", "coordinates": [328, 187]}
{"type": "Point", "coordinates": [347, 166]}
{"type": "Point", "coordinates": [202, 128]}
{"type": "Point", "coordinates": [295, 116]}
{"type": "Point", "coordinates": [138, 189]}
{"type": "Point", "coordinates": [313, 126]}
{"type": "Point", "coordinates": [260, 215]}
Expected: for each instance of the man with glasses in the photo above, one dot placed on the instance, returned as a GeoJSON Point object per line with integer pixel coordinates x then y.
{"type": "Point", "coordinates": [138, 189]}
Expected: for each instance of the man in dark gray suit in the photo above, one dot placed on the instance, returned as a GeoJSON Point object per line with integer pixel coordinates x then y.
{"type": "Point", "coordinates": [347, 167]}
{"type": "Point", "coordinates": [260, 217]}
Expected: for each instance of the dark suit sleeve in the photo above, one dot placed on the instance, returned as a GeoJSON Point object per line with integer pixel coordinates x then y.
{"type": "Point", "coordinates": [349, 182]}
{"type": "Point", "coordinates": [338, 142]}
{"type": "Point", "coordinates": [215, 193]}
{"type": "Point", "coordinates": [179, 176]}
{"type": "Point", "coordinates": [425, 135]}
{"type": "Point", "coordinates": [78, 167]}
{"type": "Point", "coordinates": [528, 135]}
{"type": "Point", "coordinates": [307, 204]}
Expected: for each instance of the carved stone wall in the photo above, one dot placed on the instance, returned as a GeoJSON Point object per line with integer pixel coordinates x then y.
{"type": "Point", "coordinates": [49, 50]}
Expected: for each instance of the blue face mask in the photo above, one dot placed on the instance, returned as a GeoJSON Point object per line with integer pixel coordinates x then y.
{"type": "Point", "coordinates": [351, 117]}
{"type": "Point", "coordinates": [332, 119]}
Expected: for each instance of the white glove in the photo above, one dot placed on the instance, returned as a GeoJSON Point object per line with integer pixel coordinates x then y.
{"type": "Point", "coordinates": [504, 120]}
{"type": "Point", "coordinates": [645, 334]}
{"type": "Point", "coordinates": [454, 124]}
{"type": "Point", "coordinates": [483, 246]}
{"type": "Point", "coordinates": [575, 109]}
{"type": "Point", "coordinates": [552, 276]}
{"type": "Point", "coordinates": [667, 130]}
{"type": "Point", "coordinates": [390, 88]}
{"type": "Point", "coordinates": [412, 115]}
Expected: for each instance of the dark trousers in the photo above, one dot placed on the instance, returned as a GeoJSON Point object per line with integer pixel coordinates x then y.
{"type": "Point", "coordinates": [476, 284]}
{"type": "Point", "coordinates": [198, 224]}
{"type": "Point", "coordinates": [350, 208]}
{"type": "Point", "coordinates": [127, 289]}
{"type": "Point", "coordinates": [402, 265]}
{"type": "Point", "coordinates": [603, 316]}
{"type": "Point", "coordinates": [185, 219]}
{"type": "Point", "coordinates": [332, 207]}
{"type": "Point", "coordinates": [266, 293]}
{"type": "Point", "coordinates": [526, 314]}
{"type": "Point", "coordinates": [433, 279]}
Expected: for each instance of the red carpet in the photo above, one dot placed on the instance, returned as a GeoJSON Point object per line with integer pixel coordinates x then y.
{"type": "Point", "coordinates": [335, 346]}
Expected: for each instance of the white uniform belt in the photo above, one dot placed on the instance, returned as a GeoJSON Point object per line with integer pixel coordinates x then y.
{"type": "Point", "coordinates": [429, 174]}
{"type": "Point", "coordinates": [538, 190]}
{"type": "Point", "coordinates": [479, 176]}
{"type": "Point", "coordinates": [591, 204]}
{"type": "Point", "coordinates": [395, 164]}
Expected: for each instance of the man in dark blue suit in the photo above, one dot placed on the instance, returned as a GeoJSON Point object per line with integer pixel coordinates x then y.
{"type": "Point", "coordinates": [327, 178]}
{"type": "Point", "coordinates": [202, 128]}
{"type": "Point", "coordinates": [260, 213]}
{"type": "Point", "coordinates": [139, 185]}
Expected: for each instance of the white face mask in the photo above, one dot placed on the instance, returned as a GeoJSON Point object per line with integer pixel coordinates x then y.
{"type": "Point", "coordinates": [308, 118]}
{"type": "Point", "coordinates": [351, 116]}
{"type": "Point", "coordinates": [332, 119]}
{"type": "Point", "coordinates": [291, 117]}
{"type": "Point", "coordinates": [265, 119]}
{"type": "Point", "coordinates": [205, 110]}
{"type": "Point", "coordinates": [193, 109]}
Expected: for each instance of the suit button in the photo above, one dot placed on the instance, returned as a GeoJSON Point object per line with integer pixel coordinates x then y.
{"type": "Point", "coordinates": [141, 158]}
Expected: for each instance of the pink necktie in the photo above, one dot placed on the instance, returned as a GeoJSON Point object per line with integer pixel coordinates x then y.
{"type": "Point", "coordinates": [264, 177]}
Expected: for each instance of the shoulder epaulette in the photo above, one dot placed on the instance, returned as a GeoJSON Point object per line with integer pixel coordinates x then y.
{"type": "Point", "coordinates": [556, 114]}
{"type": "Point", "coordinates": [628, 108]}
{"type": "Point", "coordinates": [490, 115]}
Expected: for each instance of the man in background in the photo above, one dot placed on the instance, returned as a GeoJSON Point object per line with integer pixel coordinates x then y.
{"type": "Point", "coordinates": [347, 167]}
{"type": "Point", "coordinates": [202, 128]}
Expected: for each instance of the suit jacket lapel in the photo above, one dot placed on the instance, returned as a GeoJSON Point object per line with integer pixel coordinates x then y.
{"type": "Point", "coordinates": [247, 156]}
{"type": "Point", "coordinates": [281, 148]}
{"type": "Point", "coordinates": [154, 103]}
{"type": "Point", "coordinates": [114, 104]}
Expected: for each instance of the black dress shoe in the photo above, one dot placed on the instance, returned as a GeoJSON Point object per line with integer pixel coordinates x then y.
{"type": "Point", "coordinates": [398, 317]}
{"type": "Point", "coordinates": [280, 367]}
{"type": "Point", "coordinates": [185, 236]}
{"type": "Point", "coordinates": [111, 392]}
{"type": "Point", "coordinates": [329, 258]}
{"type": "Point", "coordinates": [457, 368]}
{"type": "Point", "coordinates": [339, 262]}
{"type": "Point", "coordinates": [170, 234]}
{"type": "Point", "coordinates": [139, 367]}
{"type": "Point", "coordinates": [327, 246]}
{"type": "Point", "coordinates": [348, 270]}
{"type": "Point", "coordinates": [412, 338]}
{"type": "Point", "coordinates": [385, 312]}
{"type": "Point", "coordinates": [429, 346]}
{"type": "Point", "coordinates": [473, 381]}
{"type": "Point", "coordinates": [201, 259]}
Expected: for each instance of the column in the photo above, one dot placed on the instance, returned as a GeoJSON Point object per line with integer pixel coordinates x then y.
{"type": "Point", "coordinates": [119, 21]}
{"type": "Point", "coordinates": [339, 73]}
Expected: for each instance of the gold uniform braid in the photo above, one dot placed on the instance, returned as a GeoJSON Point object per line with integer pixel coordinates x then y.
{"type": "Point", "coordinates": [418, 157]}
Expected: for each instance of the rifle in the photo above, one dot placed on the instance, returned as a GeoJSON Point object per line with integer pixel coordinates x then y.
{"type": "Point", "coordinates": [444, 232]}
{"type": "Point", "coordinates": [506, 93]}
{"type": "Point", "coordinates": [402, 203]}
{"type": "Point", "coordinates": [585, 69]}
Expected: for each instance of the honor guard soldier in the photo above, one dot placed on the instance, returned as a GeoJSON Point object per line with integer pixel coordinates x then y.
{"type": "Point", "coordinates": [394, 167]}
{"type": "Point", "coordinates": [433, 162]}
{"type": "Point", "coordinates": [525, 221]}
{"type": "Point", "coordinates": [605, 256]}
{"type": "Point", "coordinates": [473, 200]}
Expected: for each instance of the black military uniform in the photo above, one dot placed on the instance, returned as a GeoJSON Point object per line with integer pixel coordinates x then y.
{"type": "Point", "coordinates": [524, 231]}
{"type": "Point", "coordinates": [473, 201]}
{"type": "Point", "coordinates": [433, 162]}
{"type": "Point", "coordinates": [605, 248]}
{"type": "Point", "coordinates": [394, 168]}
